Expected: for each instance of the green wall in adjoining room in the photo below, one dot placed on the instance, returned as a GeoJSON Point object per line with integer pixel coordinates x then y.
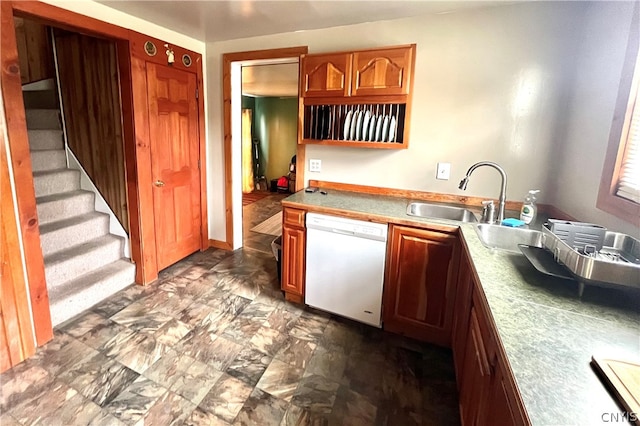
{"type": "Point", "coordinates": [276, 126]}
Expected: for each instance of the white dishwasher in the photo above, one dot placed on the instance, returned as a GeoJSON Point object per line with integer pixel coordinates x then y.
{"type": "Point", "coordinates": [345, 267]}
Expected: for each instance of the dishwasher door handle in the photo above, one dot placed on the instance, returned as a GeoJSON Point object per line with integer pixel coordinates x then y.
{"type": "Point", "coordinates": [340, 231]}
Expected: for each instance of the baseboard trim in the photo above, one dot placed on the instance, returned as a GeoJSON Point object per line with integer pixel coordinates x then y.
{"type": "Point", "coordinates": [223, 245]}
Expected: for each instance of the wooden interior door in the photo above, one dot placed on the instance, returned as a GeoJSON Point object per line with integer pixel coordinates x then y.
{"type": "Point", "coordinates": [174, 144]}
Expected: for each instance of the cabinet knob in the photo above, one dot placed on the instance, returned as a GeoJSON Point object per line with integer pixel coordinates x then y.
{"type": "Point", "coordinates": [158, 183]}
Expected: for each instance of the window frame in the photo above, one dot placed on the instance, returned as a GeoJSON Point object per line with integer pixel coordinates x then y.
{"type": "Point", "coordinates": [607, 200]}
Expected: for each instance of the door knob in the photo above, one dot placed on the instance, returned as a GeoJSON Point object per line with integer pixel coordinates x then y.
{"type": "Point", "coordinates": [158, 183]}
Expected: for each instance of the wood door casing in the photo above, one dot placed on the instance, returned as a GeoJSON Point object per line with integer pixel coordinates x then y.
{"type": "Point", "coordinates": [20, 164]}
{"type": "Point", "coordinates": [420, 285]}
{"type": "Point", "coordinates": [174, 143]}
{"type": "Point", "coordinates": [16, 336]}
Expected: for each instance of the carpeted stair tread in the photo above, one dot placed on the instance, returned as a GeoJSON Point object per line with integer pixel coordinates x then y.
{"type": "Point", "coordinates": [66, 233]}
{"type": "Point", "coordinates": [68, 264]}
{"type": "Point", "coordinates": [55, 181]}
{"type": "Point", "coordinates": [45, 139]}
{"type": "Point", "coordinates": [48, 160]}
{"type": "Point", "coordinates": [81, 293]}
{"type": "Point", "coordinates": [64, 205]}
{"type": "Point", "coordinates": [80, 249]}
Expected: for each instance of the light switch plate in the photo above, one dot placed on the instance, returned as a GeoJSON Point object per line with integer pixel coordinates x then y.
{"type": "Point", "coordinates": [315, 165]}
{"type": "Point", "coordinates": [444, 171]}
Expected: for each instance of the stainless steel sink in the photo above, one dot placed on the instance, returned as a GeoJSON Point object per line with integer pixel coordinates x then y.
{"type": "Point", "coordinates": [506, 238]}
{"type": "Point", "coordinates": [441, 212]}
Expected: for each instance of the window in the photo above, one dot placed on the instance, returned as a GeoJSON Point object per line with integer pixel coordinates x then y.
{"type": "Point", "coordinates": [620, 184]}
{"type": "Point", "coordinates": [629, 176]}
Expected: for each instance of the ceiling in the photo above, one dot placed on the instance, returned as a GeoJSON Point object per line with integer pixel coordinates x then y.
{"type": "Point", "coordinates": [231, 19]}
{"type": "Point", "coordinates": [270, 80]}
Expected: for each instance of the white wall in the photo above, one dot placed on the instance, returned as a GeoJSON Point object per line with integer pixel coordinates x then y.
{"type": "Point", "coordinates": [590, 109]}
{"type": "Point", "coordinates": [106, 14]}
{"type": "Point", "coordinates": [489, 85]}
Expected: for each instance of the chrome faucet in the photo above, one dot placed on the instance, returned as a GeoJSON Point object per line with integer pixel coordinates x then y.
{"type": "Point", "coordinates": [503, 187]}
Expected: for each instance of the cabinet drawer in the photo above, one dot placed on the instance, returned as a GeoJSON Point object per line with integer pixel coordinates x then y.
{"type": "Point", "coordinates": [293, 217]}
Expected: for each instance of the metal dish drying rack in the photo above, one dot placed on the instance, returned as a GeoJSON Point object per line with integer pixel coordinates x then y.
{"type": "Point", "coordinates": [593, 255]}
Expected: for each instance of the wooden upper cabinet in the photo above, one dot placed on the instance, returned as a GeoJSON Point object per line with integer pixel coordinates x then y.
{"type": "Point", "coordinates": [382, 71]}
{"type": "Point", "coordinates": [326, 75]}
{"type": "Point", "coordinates": [420, 285]}
{"type": "Point", "coordinates": [374, 72]}
{"type": "Point", "coordinates": [357, 98]}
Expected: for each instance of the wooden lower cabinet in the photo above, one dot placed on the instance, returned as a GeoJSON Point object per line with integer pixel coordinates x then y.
{"type": "Point", "coordinates": [462, 310]}
{"type": "Point", "coordinates": [503, 406]}
{"type": "Point", "coordinates": [420, 283]}
{"type": "Point", "coordinates": [487, 392]}
{"type": "Point", "coordinates": [476, 378]}
{"type": "Point", "coordinates": [294, 243]}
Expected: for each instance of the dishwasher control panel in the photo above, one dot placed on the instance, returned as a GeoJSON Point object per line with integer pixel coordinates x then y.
{"type": "Point", "coordinates": [357, 228]}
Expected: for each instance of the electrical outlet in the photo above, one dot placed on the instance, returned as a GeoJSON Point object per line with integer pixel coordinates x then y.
{"type": "Point", "coordinates": [315, 165]}
{"type": "Point", "coordinates": [444, 171]}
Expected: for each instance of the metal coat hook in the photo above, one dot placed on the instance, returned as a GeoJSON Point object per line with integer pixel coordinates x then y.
{"type": "Point", "coordinates": [170, 55]}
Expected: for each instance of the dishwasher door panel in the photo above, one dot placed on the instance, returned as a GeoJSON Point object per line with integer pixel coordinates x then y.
{"type": "Point", "coordinates": [345, 275]}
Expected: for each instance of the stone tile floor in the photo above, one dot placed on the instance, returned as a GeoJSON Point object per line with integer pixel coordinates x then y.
{"type": "Point", "coordinates": [212, 342]}
{"type": "Point", "coordinates": [253, 214]}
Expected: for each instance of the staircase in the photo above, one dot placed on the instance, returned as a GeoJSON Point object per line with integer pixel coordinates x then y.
{"type": "Point", "coordinates": [84, 263]}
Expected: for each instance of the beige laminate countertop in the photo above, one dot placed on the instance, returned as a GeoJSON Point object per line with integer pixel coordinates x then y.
{"type": "Point", "coordinates": [548, 333]}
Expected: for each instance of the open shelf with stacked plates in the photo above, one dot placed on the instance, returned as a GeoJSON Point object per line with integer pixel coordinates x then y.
{"type": "Point", "coordinates": [366, 123]}
{"type": "Point", "coordinates": [358, 99]}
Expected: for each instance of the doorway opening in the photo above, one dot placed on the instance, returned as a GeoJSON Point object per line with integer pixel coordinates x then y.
{"type": "Point", "coordinates": [71, 94]}
{"type": "Point", "coordinates": [269, 139]}
{"type": "Point", "coordinates": [233, 64]}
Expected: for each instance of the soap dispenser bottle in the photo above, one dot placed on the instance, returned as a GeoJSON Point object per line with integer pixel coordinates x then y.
{"type": "Point", "coordinates": [529, 208]}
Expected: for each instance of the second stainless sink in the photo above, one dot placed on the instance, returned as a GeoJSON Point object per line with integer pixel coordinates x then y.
{"type": "Point", "coordinates": [506, 238]}
{"type": "Point", "coordinates": [459, 214]}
